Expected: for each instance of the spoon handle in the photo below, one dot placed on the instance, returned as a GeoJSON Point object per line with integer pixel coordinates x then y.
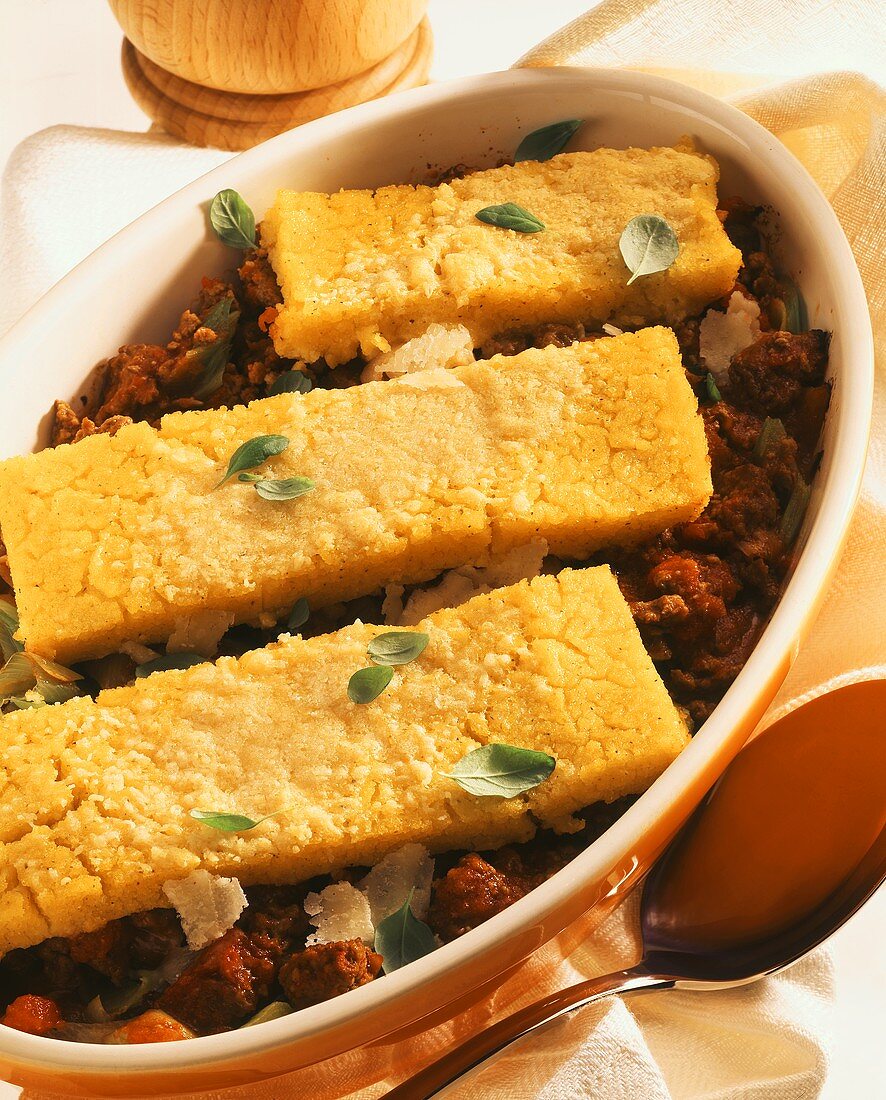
{"type": "Point", "coordinates": [493, 1039]}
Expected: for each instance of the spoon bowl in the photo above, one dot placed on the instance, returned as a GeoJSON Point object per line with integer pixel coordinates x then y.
{"type": "Point", "coordinates": [782, 851]}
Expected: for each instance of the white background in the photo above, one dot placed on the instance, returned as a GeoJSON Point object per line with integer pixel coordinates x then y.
{"type": "Point", "coordinates": [59, 63]}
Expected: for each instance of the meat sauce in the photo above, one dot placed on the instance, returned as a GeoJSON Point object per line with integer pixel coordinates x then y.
{"type": "Point", "coordinates": [700, 594]}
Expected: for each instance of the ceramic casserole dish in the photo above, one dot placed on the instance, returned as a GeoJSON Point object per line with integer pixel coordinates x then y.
{"type": "Point", "coordinates": [132, 289]}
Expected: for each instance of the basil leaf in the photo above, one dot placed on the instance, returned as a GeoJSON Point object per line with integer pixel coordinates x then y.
{"type": "Point", "coordinates": [368, 683]}
{"type": "Point", "coordinates": [298, 616]}
{"type": "Point", "coordinates": [712, 389]}
{"type": "Point", "coordinates": [250, 479]}
{"type": "Point", "coordinates": [794, 512]}
{"type": "Point", "coordinates": [253, 453]}
{"type": "Point", "coordinates": [508, 215]}
{"type": "Point", "coordinates": [397, 647]}
{"type": "Point", "coordinates": [402, 938]}
{"type": "Point", "coordinates": [232, 219]}
{"type": "Point", "coordinates": [168, 661]}
{"type": "Point", "coordinates": [17, 676]}
{"type": "Point", "coordinates": [8, 626]}
{"type": "Point", "coordinates": [502, 770]}
{"type": "Point", "coordinates": [290, 381]}
{"type": "Point", "coordinates": [548, 141]}
{"type": "Point", "coordinates": [274, 1011]}
{"type": "Point", "coordinates": [771, 434]}
{"type": "Point", "coordinates": [289, 488]}
{"type": "Point", "coordinates": [222, 319]}
{"type": "Point", "coordinates": [648, 244]}
{"type": "Point", "coordinates": [228, 823]}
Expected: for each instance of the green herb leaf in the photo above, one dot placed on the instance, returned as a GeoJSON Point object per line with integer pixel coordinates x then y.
{"type": "Point", "coordinates": [287, 489]}
{"type": "Point", "coordinates": [502, 771]}
{"type": "Point", "coordinates": [508, 215]}
{"type": "Point", "coordinates": [794, 512]}
{"type": "Point", "coordinates": [232, 219]}
{"type": "Point", "coordinates": [298, 616]}
{"type": "Point", "coordinates": [368, 683]}
{"type": "Point", "coordinates": [290, 381]}
{"type": "Point", "coordinates": [168, 661]}
{"type": "Point", "coordinates": [229, 823]}
{"type": "Point", "coordinates": [548, 141]}
{"type": "Point", "coordinates": [712, 389]}
{"type": "Point", "coordinates": [274, 1011]}
{"type": "Point", "coordinates": [771, 434]}
{"type": "Point", "coordinates": [253, 453]}
{"type": "Point", "coordinates": [647, 245]}
{"type": "Point", "coordinates": [222, 319]}
{"type": "Point", "coordinates": [402, 938]}
{"type": "Point", "coordinates": [397, 647]}
{"type": "Point", "coordinates": [250, 479]}
{"type": "Point", "coordinates": [8, 627]}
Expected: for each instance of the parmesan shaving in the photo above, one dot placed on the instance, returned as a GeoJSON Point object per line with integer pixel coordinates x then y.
{"type": "Point", "coordinates": [613, 330]}
{"type": "Point", "coordinates": [438, 378]}
{"type": "Point", "coordinates": [458, 585]}
{"type": "Point", "coordinates": [339, 912]}
{"type": "Point", "coordinates": [207, 905]}
{"type": "Point", "coordinates": [721, 336]}
{"type": "Point", "coordinates": [200, 632]}
{"type": "Point", "coordinates": [439, 347]}
{"type": "Point", "coordinates": [388, 884]}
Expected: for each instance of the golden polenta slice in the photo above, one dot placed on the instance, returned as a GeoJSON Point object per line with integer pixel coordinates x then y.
{"type": "Point", "coordinates": [361, 271]}
{"type": "Point", "coordinates": [96, 809]}
{"type": "Point", "coordinates": [124, 538]}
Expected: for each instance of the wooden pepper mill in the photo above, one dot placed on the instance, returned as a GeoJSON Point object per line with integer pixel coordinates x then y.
{"type": "Point", "coordinates": [232, 73]}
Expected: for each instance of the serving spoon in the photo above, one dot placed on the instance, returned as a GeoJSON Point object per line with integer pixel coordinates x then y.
{"type": "Point", "coordinates": [783, 850]}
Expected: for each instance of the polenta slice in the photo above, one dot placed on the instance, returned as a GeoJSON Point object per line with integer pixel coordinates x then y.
{"type": "Point", "coordinates": [124, 538]}
{"type": "Point", "coordinates": [362, 271]}
{"type": "Point", "coordinates": [96, 809]}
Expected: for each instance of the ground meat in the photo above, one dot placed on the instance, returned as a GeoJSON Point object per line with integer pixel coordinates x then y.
{"type": "Point", "coordinates": [106, 950]}
{"type": "Point", "coordinates": [275, 918]}
{"type": "Point", "coordinates": [155, 934]}
{"type": "Point", "coordinates": [35, 1015]}
{"type": "Point", "coordinates": [559, 335]}
{"type": "Point", "coordinates": [258, 281]}
{"type": "Point", "coordinates": [743, 501]}
{"type": "Point", "coordinates": [68, 427]}
{"type": "Point", "coordinates": [471, 893]}
{"type": "Point", "coordinates": [327, 969]}
{"type": "Point", "coordinates": [508, 343]}
{"type": "Point", "coordinates": [769, 375]}
{"type": "Point", "coordinates": [225, 984]}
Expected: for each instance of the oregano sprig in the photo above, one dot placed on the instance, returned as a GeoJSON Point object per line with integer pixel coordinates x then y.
{"type": "Point", "coordinates": [222, 319]}
{"type": "Point", "coordinates": [402, 938]}
{"type": "Point", "coordinates": [547, 141]}
{"type": "Point", "coordinates": [230, 823]}
{"type": "Point", "coordinates": [385, 650]}
{"type": "Point", "coordinates": [501, 771]}
{"type": "Point", "coordinates": [232, 219]}
{"type": "Point", "coordinates": [647, 245]}
{"type": "Point", "coordinates": [508, 215]}
{"type": "Point", "coordinates": [253, 453]}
